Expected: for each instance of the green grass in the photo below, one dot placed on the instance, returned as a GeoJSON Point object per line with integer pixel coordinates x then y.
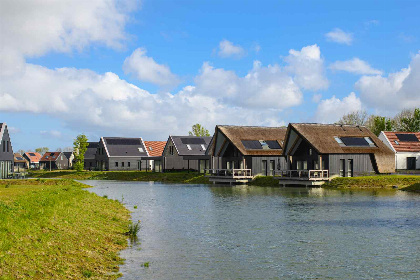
{"type": "Point", "coordinates": [264, 181]}
{"type": "Point", "coordinates": [167, 177]}
{"type": "Point", "coordinates": [378, 181]}
{"type": "Point", "coordinates": [412, 188]}
{"type": "Point", "coordinates": [54, 229]}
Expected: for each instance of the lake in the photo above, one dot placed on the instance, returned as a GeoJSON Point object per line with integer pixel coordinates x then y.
{"type": "Point", "coordinates": [244, 232]}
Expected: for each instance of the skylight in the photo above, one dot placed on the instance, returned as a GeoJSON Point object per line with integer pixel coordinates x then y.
{"type": "Point", "coordinates": [396, 142]}
{"type": "Point", "coordinates": [141, 150]}
{"type": "Point", "coordinates": [338, 140]}
{"type": "Point", "coordinates": [188, 147]}
{"type": "Point", "coordinates": [150, 149]}
{"type": "Point", "coordinates": [202, 146]}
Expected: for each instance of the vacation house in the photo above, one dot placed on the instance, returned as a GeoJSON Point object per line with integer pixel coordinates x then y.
{"type": "Point", "coordinates": [186, 153]}
{"type": "Point", "coordinates": [33, 159]}
{"type": "Point", "coordinates": [20, 163]}
{"type": "Point", "coordinates": [6, 152]}
{"type": "Point", "coordinates": [406, 146]}
{"type": "Point", "coordinates": [70, 158]}
{"type": "Point", "coordinates": [317, 152]}
{"type": "Point", "coordinates": [238, 153]}
{"type": "Point", "coordinates": [155, 150]}
{"type": "Point", "coordinates": [54, 160]}
{"type": "Point", "coordinates": [117, 153]}
{"type": "Point", "coordinates": [90, 161]}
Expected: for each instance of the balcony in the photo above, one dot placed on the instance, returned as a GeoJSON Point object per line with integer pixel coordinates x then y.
{"type": "Point", "coordinates": [304, 175]}
{"type": "Point", "coordinates": [229, 175]}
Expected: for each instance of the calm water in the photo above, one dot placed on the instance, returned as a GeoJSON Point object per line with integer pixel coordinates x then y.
{"type": "Point", "coordinates": [221, 232]}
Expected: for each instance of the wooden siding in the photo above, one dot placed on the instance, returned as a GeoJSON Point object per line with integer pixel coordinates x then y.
{"type": "Point", "coordinates": [362, 164]}
{"type": "Point", "coordinates": [257, 164]}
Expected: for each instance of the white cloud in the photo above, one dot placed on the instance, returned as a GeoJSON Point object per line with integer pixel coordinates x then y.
{"type": "Point", "coordinates": [308, 68]}
{"type": "Point", "coordinates": [316, 98]}
{"type": "Point", "coordinates": [51, 134]}
{"type": "Point", "coordinates": [146, 69]}
{"type": "Point", "coordinates": [397, 91]}
{"type": "Point", "coordinates": [228, 49]}
{"type": "Point", "coordinates": [356, 66]}
{"type": "Point", "coordinates": [339, 36]}
{"type": "Point", "coordinates": [331, 110]}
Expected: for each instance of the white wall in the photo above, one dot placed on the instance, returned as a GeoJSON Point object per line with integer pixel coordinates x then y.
{"type": "Point", "coordinates": [401, 160]}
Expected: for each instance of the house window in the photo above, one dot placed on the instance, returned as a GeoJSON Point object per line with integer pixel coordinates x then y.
{"type": "Point", "coordinates": [150, 149]}
{"type": "Point", "coordinates": [128, 164]}
{"type": "Point", "coordinates": [342, 167]}
{"type": "Point", "coordinates": [116, 164]}
{"type": "Point", "coordinates": [350, 168]}
{"type": "Point", "coordinates": [189, 147]}
{"type": "Point", "coordinates": [122, 164]}
{"type": "Point", "coordinates": [7, 146]}
{"type": "Point", "coordinates": [4, 146]}
{"type": "Point", "coordinates": [171, 150]}
{"type": "Point", "coordinates": [396, 142]}
{"type": "Point", "coordinates": [141, 150]}
{"type": "Point", "coordinates": [310, 151]}
{"type": "Point", "coordinates": [202, 147]}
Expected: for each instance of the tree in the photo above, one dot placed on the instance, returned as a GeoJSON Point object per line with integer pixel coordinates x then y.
{"type": "Point", "coordinates": [376, 124]}
{"type": "Point", "coordinates": [80, 145]}
{"type": "Point", "coordinates": [198, 130]}
{"type": "Point", "coordinates": [21, 152]}
{"type": "Point", "coordinates": [354, 118]}
{"type": "Point", "coordinates": [42, 150]}
{"type": "Point", "coordinates": [411, 123]}
{"type": "Point", "coordinates": [406, 113]}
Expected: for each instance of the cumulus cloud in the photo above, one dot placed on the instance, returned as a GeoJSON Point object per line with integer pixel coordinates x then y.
{"type": "Point", "coordinates": [339, 36]}
{"type": "Point", "coordinates": [397, 91]}
{"type": "Point", "coordinates": [33, 28]}
{"type": "Point", "coordinates": [308, 68]}
{"type": "Point", "coordinates": [228, 49]}
{"type": "Point", "coordinates": [51, 134]}
{"type": "Point", "coordinates": [356, 66]}
{"type": "Point", "coordinates": [146, 69]}
{"type": "Point", "coordinates": [332, 109]}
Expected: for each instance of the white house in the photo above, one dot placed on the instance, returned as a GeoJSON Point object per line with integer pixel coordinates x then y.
{"type": "Point", "coordinates": [406, 146]}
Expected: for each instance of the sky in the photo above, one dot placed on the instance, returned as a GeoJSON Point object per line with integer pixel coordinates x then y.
{"type": "Point", "coordinates": [152, 69]}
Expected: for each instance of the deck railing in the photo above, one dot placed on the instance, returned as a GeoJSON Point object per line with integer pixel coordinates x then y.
{"type": "Point", "coordinates": [230, 173]}
{"type": "Point", "coordinates": [303, 174]}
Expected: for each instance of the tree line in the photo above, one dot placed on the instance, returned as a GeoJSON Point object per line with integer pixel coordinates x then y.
{"type": "Point", "coordinates": [408, 120]}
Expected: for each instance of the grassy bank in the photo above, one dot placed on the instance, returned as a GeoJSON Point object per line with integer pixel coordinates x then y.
{"type": "Point", "coordinates": [378, 181]}
{"type": "Point", "coordinates": [264, 181]}
{"type": "Point", "coordinates": [53, 229]}
{"type": "Point", "coordinates": [167, 177]}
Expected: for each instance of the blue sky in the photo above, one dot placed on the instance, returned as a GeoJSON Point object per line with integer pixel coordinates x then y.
{"type": "Point", "coordinates": [153, 68]}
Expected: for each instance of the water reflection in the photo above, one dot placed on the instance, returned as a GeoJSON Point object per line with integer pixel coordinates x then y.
{"type": "Point", "coordinates": [244, 232]}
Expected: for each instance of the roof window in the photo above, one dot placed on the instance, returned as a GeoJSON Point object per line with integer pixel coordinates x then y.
{"type": "Point", "coordinates": [141, 150]}
{"type": "Point", "coordinates": [338, 140]}
{"type": "Point", "coordinates": [396, 142]}
{"type": "Point", "coordinates": [188, 147]}
{"type": "Point", "coordinates": [203, 147]}
{"type": "Point", "coordinates": [150, 149]}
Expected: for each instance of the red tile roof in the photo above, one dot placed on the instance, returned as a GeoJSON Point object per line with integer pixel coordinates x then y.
{"type": "Point", "coordinates": [33, 157]}
{"type": "Point", "coordinates": [18, 158]}
{"type": "Point", "coordinates": [403, 146]}
{"type": "Point", "coordinates": [155, 148]}
{"type": "Point", "coordinates": [50, 156]}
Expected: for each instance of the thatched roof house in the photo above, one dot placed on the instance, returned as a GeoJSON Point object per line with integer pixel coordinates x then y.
{"type": "Point", "coordinates": [344, 150]}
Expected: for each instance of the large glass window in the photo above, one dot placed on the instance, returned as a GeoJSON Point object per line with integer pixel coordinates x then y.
{"type": "Point", "coordinates": [342, 167]}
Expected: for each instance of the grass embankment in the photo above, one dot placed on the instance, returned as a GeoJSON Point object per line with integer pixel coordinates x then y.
{"type": "Point", "coordinates": [403, 182]}
{"type": "Point", "coordinates": [53, 229]}
{"type": "Point", "coordinates": [167, 177]}
{"type": "Point", "coordinates": [264, 181]}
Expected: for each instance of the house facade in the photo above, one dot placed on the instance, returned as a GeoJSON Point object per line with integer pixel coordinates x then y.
{"type": "Point", "coordinates": [90, 161]}
{"type": "Point", "coordinates": [118, 153]}
{"type": "Point", "coordinates": [186, 153]}
{"type": "Point", "coordinates": [70, 158]}
{"type": "Point", "coordinates": [19, 163]}
{"type": "Point", "coordinates": [54, 160]}
{"type": "Point", "coordinates": [341, 150]}
{"type": "Point", "coordinates": [33, 159]}
{"type": "Point", "coordinates": [258, 149]}
{"type": "Point", "coordinates": [406, 146]}
{"type": "Point", "coordinates": [155, 159]}
{"type": "Point", "coordinates": [6, 152]}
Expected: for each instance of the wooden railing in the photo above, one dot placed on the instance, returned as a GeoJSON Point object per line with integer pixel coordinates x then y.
{"type": "Point", "coordinates": [303, 174]}
{"type": "Point", "coordinates": [230, 173]}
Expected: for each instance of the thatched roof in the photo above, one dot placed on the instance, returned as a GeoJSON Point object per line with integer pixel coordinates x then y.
{"type": "Point", "coordinates": [321, 137]}
{"type": "Point", "coordinates": [236, 134]}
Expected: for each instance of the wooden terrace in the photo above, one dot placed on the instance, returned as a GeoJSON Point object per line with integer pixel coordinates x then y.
{"type": "Point", "coordinates": [229, 175]}
{"type": "Point", "coordinates": [302, 177]}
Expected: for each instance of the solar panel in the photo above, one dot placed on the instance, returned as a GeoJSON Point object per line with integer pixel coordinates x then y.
{"type": "Point", "coordinates": [273, 144]}
{"type": "Point", "coordinates": [193, 141]}
{"type": "Point", "coordinates": [354, 141]}
{"type": "Point", "coordinates": [407, 137]}
{"type": "Point", "coordinates": [124, 141]}
{"type": "Point", "coordinates": [32, 154]}
{"type": "Point", "coordinates": [252, 144]}
{"type": "Point", "coordinates": [52, 154]}
{"type": "Point", "coordinates": [19, 158]}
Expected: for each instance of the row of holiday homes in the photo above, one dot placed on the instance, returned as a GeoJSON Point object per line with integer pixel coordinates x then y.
{"type": "Point", "coordinates": [299, 150]}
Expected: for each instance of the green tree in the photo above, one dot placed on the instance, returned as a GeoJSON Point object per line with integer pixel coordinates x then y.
{"type": "Point", "coordinates": [411, 123]}
{"type": "Point", "coordinates": [198, 130]}
{"type": "Point", "coordinates": [376, 124]}
{"type": "Point", "coordinates": [354, 118]}
{"type": "Point", "coordinates": [80, 145]}
{"type": "Point", "coordinates": [42, 150]}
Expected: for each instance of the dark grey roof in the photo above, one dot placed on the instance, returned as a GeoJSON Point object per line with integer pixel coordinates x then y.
{"type": "Point", "coordinates": [91, 150]}
{"type": "Point", "coordinates": [67, 154]}
{"type": "Point", "coordinates": [194, 142]}
{"type": "Point", "coordinates": [1, 125]}
{"type": "Point", "coordinates": [121, 147]}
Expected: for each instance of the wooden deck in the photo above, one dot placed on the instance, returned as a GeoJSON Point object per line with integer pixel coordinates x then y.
{"type": "Point", "coordinates": [230, 176]}
{"type": "Point", "coordinates": [302, 177]}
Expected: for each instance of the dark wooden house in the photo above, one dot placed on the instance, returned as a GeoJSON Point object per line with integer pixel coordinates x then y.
{"type": "Point", "coordinates": [186, 153]}
{"type": "Point", "coordinates": [118, 153]}
{"type": "Point", "coordinates": [90, 161]}
{"type": "Point", "coordinates": [324, 151]}
{"type": "Point", "coordinates": [6, 152]}
{"type": "Point", "coordinates": [246, 151]}
{"type": "Point", "coordinates": [54, 160]}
